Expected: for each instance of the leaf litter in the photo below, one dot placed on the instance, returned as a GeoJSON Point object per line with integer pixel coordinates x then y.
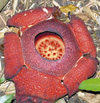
{"type": "Point", "coordinates": [87, 10]}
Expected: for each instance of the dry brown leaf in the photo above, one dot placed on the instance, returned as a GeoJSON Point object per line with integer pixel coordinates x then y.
{"type": "Point", "coordinates": [84, 16]}
{"type": "Point", "coordinates": [15, 3]}
{"type": "Point", "coordinates": [89, 11]}
{"type": "Point", "coordinates": [3, 3]}
{"type": "Point", "coordinates": [61, 101]}
{"type": "Point", "coordinates": [9, 88]}
{"type": "Point", "coordinates": [2, 35]}
{"type": "Point", "coordinates": [90, 98]}
{"type": "Point", "coordinates": [3, 20]}
{"type": "Point", "coordinates": [74, 0]}
{"type": "Point", "coordinates": [94, 14]}
{"type": "Point", "coordinates": [9, 12]}
{"type": "Point", "coordinates": [14, 29]}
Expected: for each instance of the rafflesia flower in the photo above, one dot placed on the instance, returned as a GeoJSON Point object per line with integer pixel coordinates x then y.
{"type": "Point", "coordinates": [51, 58]}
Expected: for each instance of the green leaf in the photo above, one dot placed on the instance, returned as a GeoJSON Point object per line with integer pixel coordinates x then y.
{"type": "Point", "coordinates": [2, 79]}
{"type": "Point", "coordinates": [91, 85]}
{"type": "Point", "coordinates": [6, 98]}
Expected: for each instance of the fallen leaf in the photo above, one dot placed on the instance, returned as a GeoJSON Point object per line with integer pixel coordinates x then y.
{"type": "Point", "coordinates": [68, 8]}
{"type": "Point", "coordinates": [3, 3]}
{"type": "Point", "coordinates": [3, 20]}
{"type": "Point", "coordinates": [84, 16]}
{"type": "Point", "coordinates": [9, 88]}
{"type": "Point", "coordinates": [89, 11]}
{"type": "Point", "coordinates": [90, 97]}
{"type": "Point", "coordinates": [15, 30]}
{"type": "Point", "coordinates": [15, 4]}
{"type": "Point", "coordinates": [98, 19]}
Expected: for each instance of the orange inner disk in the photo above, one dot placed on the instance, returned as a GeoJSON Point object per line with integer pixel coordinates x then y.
{"type": "Point", "coordinates": [50, 46]}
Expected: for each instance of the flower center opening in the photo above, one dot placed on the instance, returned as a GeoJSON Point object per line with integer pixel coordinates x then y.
{"type": "Point", "coordinates": [50, 45]}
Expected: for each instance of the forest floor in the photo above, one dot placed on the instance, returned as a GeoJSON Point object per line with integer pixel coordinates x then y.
{"type": "Point", "coordinates": [87, 10]}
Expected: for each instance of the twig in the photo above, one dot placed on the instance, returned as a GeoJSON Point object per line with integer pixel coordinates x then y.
{"type": "Point", "coordinates": [55, 3]}
{"type": "Point", "coordinates": [4, 22]}
{"type": "Point", "coordinates": [7, 87]}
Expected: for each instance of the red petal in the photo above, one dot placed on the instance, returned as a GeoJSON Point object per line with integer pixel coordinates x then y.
{"type": "Point", "coordinates": [13, 54]}
{"type": "Point", "coordinates": [82, 36]}
{"type": "Point", "coordinates": [31, 17]}
{"type": "Point", "coordinates": [84, 68]}
{"type": "Point", "coordinates": [31, 99]}
{"type": "Point", "coordinates": [30, 82]}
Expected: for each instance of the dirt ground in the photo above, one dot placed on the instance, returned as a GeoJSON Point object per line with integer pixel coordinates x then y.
{"type": "Point", "coordinates": [87, 10]}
